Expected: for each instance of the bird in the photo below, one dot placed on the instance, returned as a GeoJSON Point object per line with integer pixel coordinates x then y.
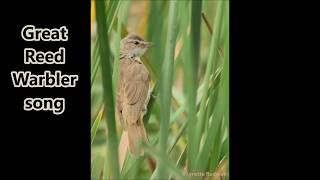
{"type": "Point", "coordinates": [134, 90]}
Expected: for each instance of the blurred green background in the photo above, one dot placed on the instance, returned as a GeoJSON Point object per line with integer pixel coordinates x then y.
{"type": "Point", "coordinates": [188, 116]}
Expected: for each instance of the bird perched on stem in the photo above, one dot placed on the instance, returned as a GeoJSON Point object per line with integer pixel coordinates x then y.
{"type": "Point", "coordinates": [133, 91]}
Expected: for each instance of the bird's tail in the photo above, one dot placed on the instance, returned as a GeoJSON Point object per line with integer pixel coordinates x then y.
{"type": "Point", "coordinates": [137, 135]}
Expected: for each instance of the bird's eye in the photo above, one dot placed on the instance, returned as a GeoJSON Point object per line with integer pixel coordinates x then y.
{"type": "Point", "coordinates": [136, 42]}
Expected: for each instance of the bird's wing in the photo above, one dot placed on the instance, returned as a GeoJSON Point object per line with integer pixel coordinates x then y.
{"type": "Point", "coordinates": [135, 90]}
{"type": "Point", "coordinates": [119, 99]}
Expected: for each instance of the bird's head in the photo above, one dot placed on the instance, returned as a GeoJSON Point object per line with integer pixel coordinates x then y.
{"type": "Point", "coordinates": [134, 46]}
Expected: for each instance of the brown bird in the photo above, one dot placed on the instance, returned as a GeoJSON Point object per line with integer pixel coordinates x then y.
{"type": "Point", "coordinates": [133, 91]}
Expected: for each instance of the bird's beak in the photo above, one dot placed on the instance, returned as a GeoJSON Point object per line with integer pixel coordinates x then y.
{"type": "Point", "coordinates": [149, 44]}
